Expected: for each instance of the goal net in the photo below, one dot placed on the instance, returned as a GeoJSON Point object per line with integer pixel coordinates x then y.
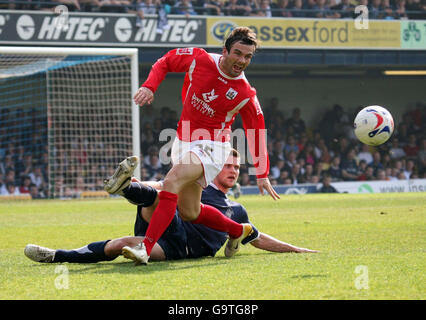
{"type": "Point", "coordinates": [67, 116]}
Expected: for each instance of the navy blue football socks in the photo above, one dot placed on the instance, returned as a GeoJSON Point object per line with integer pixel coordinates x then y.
{"type": "Point", "coordinates": [140, 194]}
{"type": "Point", "coordinates": [92, 253]}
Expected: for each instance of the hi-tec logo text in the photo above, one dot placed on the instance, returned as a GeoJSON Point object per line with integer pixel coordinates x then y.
{"type": "Point", "coordinates": [76, 28]}
{"type": "Point", "coordinates": [181, 30]}
{"type": "Point", "coordinates": [69, 27]}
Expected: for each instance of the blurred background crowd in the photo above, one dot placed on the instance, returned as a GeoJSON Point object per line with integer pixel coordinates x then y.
{"type": "Point", "coordinates": [378, 9]}
{"type": "Point", "coordinates": [298, 153]}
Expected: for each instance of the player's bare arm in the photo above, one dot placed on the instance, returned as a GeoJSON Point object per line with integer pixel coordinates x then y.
{"type": "Point", "coordinates": [269, 243]}
{"type": "Point", "coordinates": [143, 96]}
{"type": "Point", "coordinates": [265, 184]}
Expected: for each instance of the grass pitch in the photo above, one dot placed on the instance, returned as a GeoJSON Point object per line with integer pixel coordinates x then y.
{"type": "Point", "coordinates": [372, 247]}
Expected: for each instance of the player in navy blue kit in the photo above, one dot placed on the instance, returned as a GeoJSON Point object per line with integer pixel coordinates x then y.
{"type": "Point", "coordinates": [182, 239]}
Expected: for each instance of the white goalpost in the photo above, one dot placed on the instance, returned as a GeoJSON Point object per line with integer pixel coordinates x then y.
{"type": "Point", "coordinates": [69, 113]}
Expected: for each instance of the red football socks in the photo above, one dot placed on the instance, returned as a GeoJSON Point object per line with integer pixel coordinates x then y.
{"type": "Point", "coordinates": [161, 218]}
{"type": "Point", "coordinates": [213, 218]}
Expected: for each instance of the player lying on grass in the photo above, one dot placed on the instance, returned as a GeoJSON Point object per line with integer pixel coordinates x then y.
{"type": "Point", "coordinates": [182, 239]}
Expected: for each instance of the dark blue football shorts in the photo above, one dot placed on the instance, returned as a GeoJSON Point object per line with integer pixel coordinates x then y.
{"type": "Point", "coordinates": [173, 241]}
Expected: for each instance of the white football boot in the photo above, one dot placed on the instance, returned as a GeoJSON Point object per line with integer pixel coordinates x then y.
{"type": "Point", "coordinates": [39, 254]}
{"type": "Point", "coordinates": [122, 176]}
{"type": "Point", "coordinates": [233, 244]}
{"type": "Point", "coordinates": [137, 253]}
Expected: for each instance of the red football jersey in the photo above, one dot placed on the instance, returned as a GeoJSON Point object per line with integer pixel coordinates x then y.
{"type": "Point", "coordinates": [211, 100]}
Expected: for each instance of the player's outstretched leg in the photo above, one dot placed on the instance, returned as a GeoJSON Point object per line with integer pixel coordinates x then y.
{"type": "Point", "coordinates": [91, 253]}
{"type": "Point", "coordinates": [122, 176]}
{"type": "Point", "coordinates": [233, 244]}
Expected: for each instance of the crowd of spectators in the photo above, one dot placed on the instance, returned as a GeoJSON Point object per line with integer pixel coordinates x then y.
{"type": "Point", "coordinates": [301, 154]}
{"type": "Point", "coordinates": [23, 172]}
{"type": "Point", "coordinates": [331, 150]}
{"type": "Point", "coordinates": [327, 152]}
{"type": "Point", "coordinates": [378, 9]}
{"type": "Point", "coordinates": [298, 154]}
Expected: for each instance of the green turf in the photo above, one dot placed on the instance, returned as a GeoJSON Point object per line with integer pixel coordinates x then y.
{"type": "Point", "coordinates": [383, 235]}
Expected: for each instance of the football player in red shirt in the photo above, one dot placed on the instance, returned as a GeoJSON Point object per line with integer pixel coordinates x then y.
{"type": "Point", "coordinates": [215, 90]}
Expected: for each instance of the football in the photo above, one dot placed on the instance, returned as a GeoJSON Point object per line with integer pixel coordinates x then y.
{"type": "Point", "coordinates": [373, 125]}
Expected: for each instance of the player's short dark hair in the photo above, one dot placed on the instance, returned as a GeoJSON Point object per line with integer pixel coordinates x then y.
{"type": "Point", "coordinates": [235, 153]}
{"type": "Point", "coordinates": [241, 34]}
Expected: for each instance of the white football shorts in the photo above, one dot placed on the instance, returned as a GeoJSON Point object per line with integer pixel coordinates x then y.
{"type": "Point", "coordinates": [212, 154]}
